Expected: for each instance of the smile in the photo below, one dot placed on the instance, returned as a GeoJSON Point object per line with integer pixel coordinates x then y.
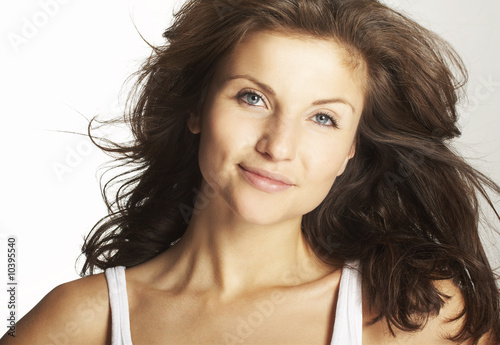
{"type": "Point", "coordinates": [264, 180]}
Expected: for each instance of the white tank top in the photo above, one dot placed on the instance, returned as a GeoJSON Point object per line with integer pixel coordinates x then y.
{"type": "Point", "coordinates": [347, 328]}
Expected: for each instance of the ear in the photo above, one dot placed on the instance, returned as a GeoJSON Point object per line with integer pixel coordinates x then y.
{"type": "Point", "coordinates": [193, 123]}
{"type": "Point", "coordinates": [351, 154]}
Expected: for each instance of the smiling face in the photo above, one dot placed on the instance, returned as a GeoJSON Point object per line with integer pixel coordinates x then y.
{"type": "Point", "coordinates": [278, 124]}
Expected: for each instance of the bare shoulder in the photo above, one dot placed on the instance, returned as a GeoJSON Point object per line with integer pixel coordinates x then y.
{"type": "Point", "coordinates": [438, 329]}
{"type": "Point", "coordinates": [76, 312]}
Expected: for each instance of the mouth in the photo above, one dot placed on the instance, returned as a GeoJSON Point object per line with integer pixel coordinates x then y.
{"type": "Point", "coordinates": [265, 180]}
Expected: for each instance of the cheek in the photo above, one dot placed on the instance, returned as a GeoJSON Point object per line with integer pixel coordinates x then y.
{"type": "Point", "coordinates": [323, 166]}
{"type": "Point", "coordinates": [222, 142]}
{"type": "Point", "coordinates": [210, 158]}
{"type": "Point", "coordinates": [227, 132]}
{"type": "Point", "coordinates": [323, 178]}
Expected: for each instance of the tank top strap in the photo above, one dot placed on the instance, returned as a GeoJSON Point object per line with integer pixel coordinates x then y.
{"type": "Point", "coordinates": [347, 328]}
{"type": "Point", "coordinates": [348, 325]}
{"type": "Point", "coordinates": [118, 300]}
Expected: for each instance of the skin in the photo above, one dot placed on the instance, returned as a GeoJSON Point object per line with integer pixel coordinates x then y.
{"type": "Point", "coordinates": [243, 250]}
{"type": "Point", "coordinates": [281, 133]}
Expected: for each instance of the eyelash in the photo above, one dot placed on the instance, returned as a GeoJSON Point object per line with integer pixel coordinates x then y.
{"type": "Point", "coordinates": [245, 92]}
{"type": "Point", "coordinates": [332, 120]}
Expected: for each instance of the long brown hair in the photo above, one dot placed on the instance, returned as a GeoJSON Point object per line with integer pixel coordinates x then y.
{"type": "Point", "coordinates": [406, 207]}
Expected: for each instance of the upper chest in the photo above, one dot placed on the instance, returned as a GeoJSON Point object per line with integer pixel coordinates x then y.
{"type": "Point", "coordinates": [295, 316]}
{"type": "Point", "coordinates": [284, 316]}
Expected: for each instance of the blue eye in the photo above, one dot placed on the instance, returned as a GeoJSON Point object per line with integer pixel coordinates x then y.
{"type": "Point", "coordinates": [325, 120]}
{"type": "Point", "coordinates": [251, 98]}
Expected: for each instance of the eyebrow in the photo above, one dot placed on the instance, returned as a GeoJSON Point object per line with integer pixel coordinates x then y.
{"type": "Point", "coordinates": [270, 90]}
{"type": "Point", "coordinates": [263, 86]}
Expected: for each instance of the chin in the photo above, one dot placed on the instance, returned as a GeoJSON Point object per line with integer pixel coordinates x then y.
{"type": "Point", "coordinates": [261, 212]}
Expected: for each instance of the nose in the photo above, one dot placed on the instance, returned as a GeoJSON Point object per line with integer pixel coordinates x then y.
{"type": "Point", "coordinates": [279, 139]}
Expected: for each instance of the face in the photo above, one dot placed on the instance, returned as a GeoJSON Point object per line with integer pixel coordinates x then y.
{"type": "Point", "coordinates": [278, 125]}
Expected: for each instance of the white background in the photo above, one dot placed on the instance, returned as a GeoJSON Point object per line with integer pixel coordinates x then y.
{"type": "Point", "coordinates": [71, 65]}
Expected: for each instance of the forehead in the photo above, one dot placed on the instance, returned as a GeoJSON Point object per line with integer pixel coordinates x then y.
{"type": "Point", "coordinates": [287, 60]}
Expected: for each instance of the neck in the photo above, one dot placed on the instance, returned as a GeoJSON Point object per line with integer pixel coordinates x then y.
{"type": "Point", "coordinates": [222, 253]}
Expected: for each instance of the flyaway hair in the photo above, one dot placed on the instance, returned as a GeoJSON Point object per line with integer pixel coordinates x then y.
{"type": "Point", "coordinates": [407, 205]}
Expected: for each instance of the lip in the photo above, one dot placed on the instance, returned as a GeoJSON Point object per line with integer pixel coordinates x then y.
{"type": "Point", "coordinates": [265, 180]}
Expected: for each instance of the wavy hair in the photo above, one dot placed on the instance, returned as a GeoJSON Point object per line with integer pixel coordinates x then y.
{"type": "Point", "coordinates": [406, 207]}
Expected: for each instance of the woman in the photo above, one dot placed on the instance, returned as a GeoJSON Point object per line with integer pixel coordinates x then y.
{"type": "Point", "coordinates": [291, 183]}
